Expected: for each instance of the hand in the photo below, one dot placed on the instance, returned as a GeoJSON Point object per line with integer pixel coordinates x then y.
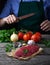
{"type": "Point", "coordinates": [10, 19]}
{"type": "Point", "coordinates": [45, 25]}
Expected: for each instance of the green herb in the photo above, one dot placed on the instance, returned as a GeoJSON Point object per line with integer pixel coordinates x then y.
{"type": "Point", "coordinates": [46, 42]}
{"type": "Point", "coordinates": [5, 35]}
{"type": "Point", "coordinates": [25, 51]}
{"type": "Point", "coordinates": [8, 47]}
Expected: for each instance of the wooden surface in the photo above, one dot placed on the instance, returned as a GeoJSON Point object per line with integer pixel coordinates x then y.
{"type": "Point", "coordinates": [41, 59]}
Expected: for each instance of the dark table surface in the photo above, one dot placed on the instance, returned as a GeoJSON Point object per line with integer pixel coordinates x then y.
{"type": "Point", "coordinates": [41, 59]}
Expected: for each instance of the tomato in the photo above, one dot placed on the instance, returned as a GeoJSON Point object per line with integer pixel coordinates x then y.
{"type": "Point", "coordinates": [38, 33]}
{"type": "Point", "coordinates": [26, 37]}
{"type": "Point", "coordinates": [30, 33]}
{"type": "Point", "coordinates": [20, 35]}
{"type": "Point", "coordinates": [36, 37]}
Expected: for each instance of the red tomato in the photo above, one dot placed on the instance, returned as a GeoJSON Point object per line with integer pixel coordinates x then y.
{"type": "Point", "coordinates": [30, 33]}
{"type": "Point", "coordinates": [35, 37]}
{"type": "Point", "coordinates": [26, 37]}
{"type": "Point", "coordinates": [20, 35]}
{"type": "Point", "coordinates": [38, 33]}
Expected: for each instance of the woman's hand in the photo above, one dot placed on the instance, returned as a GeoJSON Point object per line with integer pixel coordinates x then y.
{"type": "Point", "coordinates": [10, 19]}
{"type": "Point", "coordinates": [45, 25]}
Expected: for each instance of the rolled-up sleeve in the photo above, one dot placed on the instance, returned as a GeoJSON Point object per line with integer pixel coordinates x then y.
{"type": "Point", "coordinates": [12, 6]}
{"type": "Point", "coordinates": [6, 10]}
{"type": "Point", "coordinates": [46, 3]}
{"type": "Point", "coordinates": [47, 9]}
{"type": "Point", "coordinates": [15, 6]}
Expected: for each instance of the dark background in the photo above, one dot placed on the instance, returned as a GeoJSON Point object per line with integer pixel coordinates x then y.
{"type": "Point", "coordinates": [2, 4]}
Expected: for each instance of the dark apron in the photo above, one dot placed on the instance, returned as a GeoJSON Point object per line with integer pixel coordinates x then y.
{"type": "Point", "coordinates": [32, 23]}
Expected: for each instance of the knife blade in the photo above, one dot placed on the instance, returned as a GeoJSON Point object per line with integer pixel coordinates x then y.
{"type": "Point", "coordinates": [25, 16]}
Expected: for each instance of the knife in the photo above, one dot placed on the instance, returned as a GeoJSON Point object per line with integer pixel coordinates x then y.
{"type": "Point", "coordinates": [25, 16]}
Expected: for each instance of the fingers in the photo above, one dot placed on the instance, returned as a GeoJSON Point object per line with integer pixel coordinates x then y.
{"type": "Point", "coordinates": [45, 26]}
{"type": "Point", "coordinates": [14, 18]}
{"type": "Point", "coordinates": [11, 19]}
{"type": "Point", "coordinates": [48, 29]}
{"type": "Point", "coordinates": [43, 22]}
